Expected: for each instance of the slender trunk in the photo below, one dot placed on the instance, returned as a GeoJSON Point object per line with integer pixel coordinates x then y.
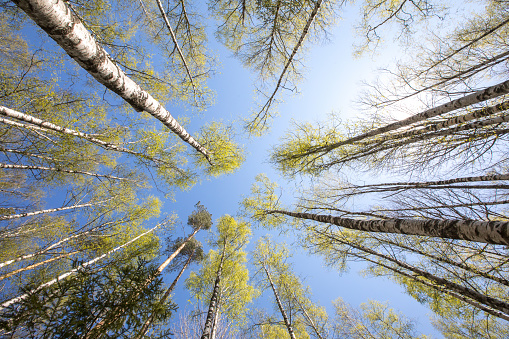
{"type": "Point", "coordinates": [444, 283]}
{"type": "Point", "coordinates": [45, 126]}
{"type": "Point", "coordinates": [50, 210]}
{"type": "Point", "coordinates": [65, 28]}
{"type": "Point", "coordinates": [279, 305]}
{"type": "Point", "coordinates": [177, 251]}
{"type": "Point", "coordinates": [471, 99]}
{"type": "Point", "coordinates": [208, 328]}
{"type": "Point", "coordinates": [170, 289]}
{"type": "Point", "coordinates": [491, 232]}
{"type": "Point", "coordinates": [174, 39]}
{"type": "Point", "coordinates": [71, 272]}
{"type": "Point", "coordinates": [494, 177]}
{"type": "Point", "coordinates": [43, 168]}
{"type": "Point", "coordinates": [46, 249]}
{"type": "Point", "coordinates": [446, 260]}
{"type": "Point", "coordinates": [308, 317]}
{"type": "Point", "coordinates": [442, 289]}
{"type": "Point", "coordinates": [216, 317]}
{"type": "Point", "coordinates": [30, 267]}
{"type": "Point", "coordinates": [480, 113]}
{"type": "Point", "coordinates": [379, 147]}
{"type": "Point", "coordinates": [266, 107]}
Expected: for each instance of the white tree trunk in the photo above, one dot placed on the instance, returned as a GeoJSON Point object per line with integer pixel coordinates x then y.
{"type": "Point", "coordinates": [45, 126]}
{"type": "Point", "coordinates": [49, 210]}
{"type": "Point", "coordinates": [43, 168]}
{"type": "Point", "coordinates": [491, 232]}
{"type": "Point", "coordinates": [66, 29]}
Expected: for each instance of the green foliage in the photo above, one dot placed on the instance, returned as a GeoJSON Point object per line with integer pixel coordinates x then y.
{"type": "Point", "coordinates": [200, 218]}
{"type": "Point", "coordinates": [262, 200]}
{"type": "Point", "coordinates": [226, 155]}
{"type": "Point", "coordinates": [305, 317]}
{"type": "Point", "coordinates": [73, 306]}
{"type": "Point", "coordinates": [235, 291]}
{"type": "Point", "coordinates": [375, 320]}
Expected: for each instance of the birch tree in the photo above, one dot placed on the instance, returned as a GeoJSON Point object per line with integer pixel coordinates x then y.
{"type": "Point", "coordinates": [373, 320]}
{"type": "Point", "coordinates": [301, 317]}
{"type": "Point", "coordinates": [222, 282]}
{"type": "Point", "coordinates": [94, 59]}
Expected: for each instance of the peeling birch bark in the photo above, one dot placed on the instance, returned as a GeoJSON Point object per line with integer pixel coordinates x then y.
{"type": "Point", "coordinates": [57, 19]}
{"type": "Point", "coordinates": [491, 232]}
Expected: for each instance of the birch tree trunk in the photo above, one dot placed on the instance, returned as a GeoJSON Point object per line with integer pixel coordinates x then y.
{"type": "Point", "coordinates": [43, 168]}
{"type": "Point", "coordinates": [308, 317]}
{"type": "Point", "coordinates": [71, 272]}
{"type": "Point", "coordinates": [47, 261]}
{"type": "Point", "coordinates": [426, 184]}
{"type": "Point", "coordinates": [280, 306]}
{"type": "Point", "coordinates": [451, 131]}
{"type": "Point", "coordinates": [480, 113]}
{"type": "Point", "coordinates": [66, 29]}
{"type": "Point", "coordinates": [45, 125]}
{"type": "Point", "coordinates": [491, 232]}
{"type": "Point", "coordinates": [491, 302]}
{"type": "Point", "coordinates": [50, 210]}
{"type": "Point", "coordinates": [208, 328]}
{"type": "Point", "coordinates": [46, 249]}
{"type": "Point", "coordinates": [474, 98]}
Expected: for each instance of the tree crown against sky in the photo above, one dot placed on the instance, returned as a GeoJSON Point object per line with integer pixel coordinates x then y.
{"type": "Point", "coordinates": [95, 158]}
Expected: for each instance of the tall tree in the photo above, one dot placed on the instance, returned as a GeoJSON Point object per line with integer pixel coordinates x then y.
{"type": "Point", "coordinates": [292, 299]}
{"type": "Point", "coordinates": [223, 280]}
{"type": "Point", "coordinates": [83, 48]}
{"type": "Point", "coordinates": [194, 253]}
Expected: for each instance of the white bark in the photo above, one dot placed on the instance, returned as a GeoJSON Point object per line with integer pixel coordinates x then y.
{"type": "Point", "coordinates": [45, 126]}
{"type": "Point", "coordinates": [65, 28]}
{"type": "Point", "coordinates": [43, 168]}
{"type": "Point", "coordinates": [49, 210]}
{"type": "Point", "coordinates": [491, 232]}
{"type": "Point", "coordinates": [44, 250]}
{"type": "Point", "coordinates": [471, 99]}
{"type": "Point", "coordinates": [73, 271]}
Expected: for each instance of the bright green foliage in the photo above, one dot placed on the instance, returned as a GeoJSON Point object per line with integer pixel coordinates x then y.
{"type": "Point", "coordinates": [307, 319]}
{"type": "Point", "coordinates": [235, 291]}
{"type": "Point", "coordinates": [71, 308]}
{"type": "Point", "coordinates": [226, 156]}
{"type": "Point", "coordinates": [272, 330]}
{"type": "Point", "coordinates": [375, 320]}
{"type": "Point", "coordinates": [263, 198]}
